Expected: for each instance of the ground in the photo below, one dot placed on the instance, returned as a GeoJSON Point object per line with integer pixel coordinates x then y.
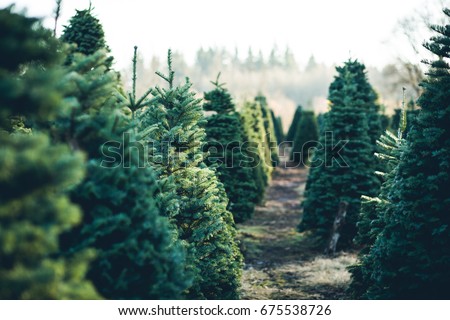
{"type": "Point", "coordinates": [281, 263]}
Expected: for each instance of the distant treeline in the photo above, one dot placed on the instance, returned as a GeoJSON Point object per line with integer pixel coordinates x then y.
{"type": "Point", "coordinates": [284, 81]}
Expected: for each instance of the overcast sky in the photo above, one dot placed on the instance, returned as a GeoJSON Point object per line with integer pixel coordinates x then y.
{"type": "Point", "coordinates": [331, 30]}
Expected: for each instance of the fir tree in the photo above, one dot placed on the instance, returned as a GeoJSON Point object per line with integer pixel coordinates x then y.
{"type": "Point", "coordinates": [278, 127]}
{"type": "Point", "coordinates": [370, 221]}
{"type": "Point", "coordinates": [138, 254]}
{"type": "Point", "coordinates": [342, 172]}
{"type": "Point", "coordinates": [270, 145]}
{"type": "Point", "coordinates": [294, 124]}
{"type": "Point", "coordinates": [306, 138]}
{"type": "Point", "coordinates": [86, 31]}
{"type": "Point", "coordinates": [410, 257]}
{"type": "Point", "coordinates": [411, 115]}
{"type": "Point", "coordinates": [35, 173]}
{"type": "Point", "coordinates": [254, 148]}
{"type": "Point", "coordinates": [225, 137]}
{"type": "Point", "coordinates": [175, 121]}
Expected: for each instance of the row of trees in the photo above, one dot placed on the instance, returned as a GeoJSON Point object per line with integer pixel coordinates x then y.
{"type": "Point", "coordinates": [398, 205]}
{"type": "Point", "coordinates": [109, 194]}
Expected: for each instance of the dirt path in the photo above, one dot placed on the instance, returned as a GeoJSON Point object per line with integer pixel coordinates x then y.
{"type": "Point", "coordinates": [281, 263]}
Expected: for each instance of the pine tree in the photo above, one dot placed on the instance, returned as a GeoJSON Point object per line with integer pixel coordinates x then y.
{"type": "Point", "coordinates": [138, 254]}
{"type": "Point", "coordinates": [35, 173]}
{"type": "Point", "coordinates": [294, 124]}
{"type": "Point", "coordinates": [86, 31]}
{"type": "Point", "coordinates": [306, 138]}
{"type": "Point", "coordinates": [225, 137]}
{"type": "Point", "coordinates": [342, 171]}
{"type": "Point", "coordinates": [410, 257]}
{"type": "Point", "coordinates": [175, 121]}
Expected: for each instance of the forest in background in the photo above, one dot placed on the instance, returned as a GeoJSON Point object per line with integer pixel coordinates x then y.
{"type": "Point", "coordinates": [279, 76]}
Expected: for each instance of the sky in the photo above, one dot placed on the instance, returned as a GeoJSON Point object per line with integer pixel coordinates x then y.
{"type": "Point", "coordinates": [331, 30]}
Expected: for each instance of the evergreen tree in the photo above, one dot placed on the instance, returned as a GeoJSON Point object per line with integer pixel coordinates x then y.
{"type": "Point", "coordinates": [254, 148]}
{"type": "Point", "coordinates": [270, 145]}
{"type": "Point", "coordinates": [86, 31]}
{"type": "Point", "coordinates": [411, 115]}
{"type": "Point", "coordinates": [278, 127]}
{"type": "Point", "coordinates": [410, 257]}
{"type": "Point", "coordinates": [342, 171]}
{"type": "Point", "coordinates": [370, 221]}
{"type": "Point", "coordinates": [294, 124]}
{"type": "Point", "coordinates": [225, 136]}
{"type": "Point", "coordinates": [306, 138]}
{"type": "Point", "coordinates": [175, 121]}
{"type": "Point", "coordinates": [35, 173]}
{"type": "Point", "coordinates": [138, 254]}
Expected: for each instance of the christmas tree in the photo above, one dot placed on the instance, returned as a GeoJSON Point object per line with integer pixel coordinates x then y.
{"type": "Point", "coordinates": [35, 173]}
{"type": "Point", "coordinates": [225, 137]}
{"type": "Point", "coordinates": [370, 221]}
{"type": "Point", "coordinates": [138, 254]}
{"type": "Point", "coordinates": [255, 147]}
{"type": "Point", "coordinates": [410, 257]}
{"type": "Point", "coordinates": [305, 139]}
{"type": "Point", "coordinates": [270, 145]}
{"type": "Point", "coordinates": [278, 127]}
{"type": "Point", "coordinates": [294, 124]}
{"type": "Point", "coordinates": [86, 31]}
{"type": "Point", "coordinates": [175, 123]}
{"type": "Point", "coordinates": [343, 167]}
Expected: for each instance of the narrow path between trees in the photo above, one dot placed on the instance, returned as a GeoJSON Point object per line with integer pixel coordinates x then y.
{"type": "Point", "coordinates": [281, 263]}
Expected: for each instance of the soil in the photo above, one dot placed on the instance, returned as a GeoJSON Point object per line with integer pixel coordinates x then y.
{"type": "Point", "coordinates": [281, 263]}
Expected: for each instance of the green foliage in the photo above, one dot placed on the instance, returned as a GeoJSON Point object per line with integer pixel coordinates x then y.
{"type": "Point", "coordinates": [410, 257]}
{"type": "Point", "coordinates": [270, 146]}
{"type": "Point", "coordinates": [306, 137]}
{"type": "Point", "coordinates": [22, 49]}
{"type": "Point", "coordinates": [175, 123]}
{"type": "Point", "coordinates": [35, 173]}
{"type": "Point", "coordinates": [292, 132]}
{"type": "Point", "coordinates": [225, 137]}
{"type": "Point", "coordinates": [371, 219]}
{"type": "Point", "coordinates": [139, 256]}
{"type": "Point", "coordinates": [254, 147]}
{"type": "Point", "coordinates": [86, 31]}
{"type": "Point", "coordinates": [342, 171]}
{"type": "Point", "coordinates": [411, 115]}
{"type": "Point", "coordinates": [278, 127]}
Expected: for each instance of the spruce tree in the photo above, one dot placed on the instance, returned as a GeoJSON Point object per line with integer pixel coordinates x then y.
{"type": "Point", "coordinates": [175, 121]}
{"type": "Point", "coordinates": [225, 137]}
{"type": "Point", "coordinates": [86, 31]}
{"type": "Point", "coordinates": [306, 138]}
{"type": "Point", "coordinates": [138, 254]}
{"type": "Point", "coordinates": [35, 173]}
{"type": "Point", "coordinates": [410, 257]}
{"type": "Point", "coordinates": [342, 171]}
{"type": "Point", "coordinates": [290, 136]}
